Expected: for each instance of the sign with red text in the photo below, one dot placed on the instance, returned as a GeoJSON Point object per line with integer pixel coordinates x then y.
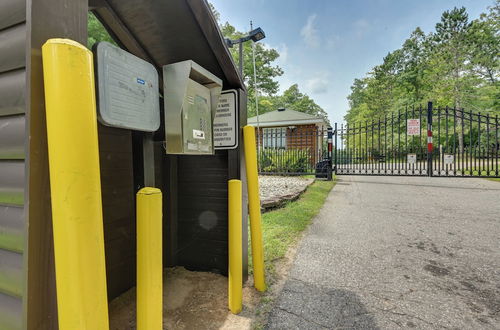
{"type": "Point", "coordinates": [413, 127]}
{"type": "Point", "coordinates": [226, 122]}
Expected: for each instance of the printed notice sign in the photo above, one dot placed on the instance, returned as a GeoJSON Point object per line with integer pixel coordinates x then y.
{"type": "Point", "coordinates": [226, 121]}
{"type": "Point", "coordinates": [448, 159]}
{"type": "Point", "coordinates": [412, 158]}
{"type": "Point", "coordinates": [413, 126]}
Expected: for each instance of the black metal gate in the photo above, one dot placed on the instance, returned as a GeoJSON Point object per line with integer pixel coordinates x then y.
{"type": "Point", "coordinates": [420, 142]}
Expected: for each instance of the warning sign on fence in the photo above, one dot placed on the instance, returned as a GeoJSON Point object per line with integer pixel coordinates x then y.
{"type": "Point", "coordinates": [413, 126]}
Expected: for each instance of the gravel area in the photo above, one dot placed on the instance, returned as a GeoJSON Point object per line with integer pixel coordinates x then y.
{"type": "Point", "coordinates": [275, 189]}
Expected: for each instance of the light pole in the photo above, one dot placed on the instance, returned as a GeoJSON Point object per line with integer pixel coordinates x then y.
{"type": "Point", "coordinates": [254, 35]}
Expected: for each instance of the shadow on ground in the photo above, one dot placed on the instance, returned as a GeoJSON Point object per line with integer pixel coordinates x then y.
{"type": "Point", "coordinates": [306, 306]}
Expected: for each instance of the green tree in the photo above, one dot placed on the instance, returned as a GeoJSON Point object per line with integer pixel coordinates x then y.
{"type": "Point", "coordinates": [97, 32]}
{"type": "Point", "coordinates": [451, 51]}
{"type": "Point", "coordinates": [266, 71]}
{"type": "Point", "coordinates": [294, 99]}
{"type": "Point", "coordinates": [456, 65]}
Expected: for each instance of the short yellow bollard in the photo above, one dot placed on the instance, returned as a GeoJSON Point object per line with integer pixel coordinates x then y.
{"type": "Point", "coordinates": [149, 260]}
{"type": "Point", "coordinates": [75, 185]}
{"type": "Point", "coordinates": [254, 207]}
{"type": "Point", "coordinates": [235, 288]}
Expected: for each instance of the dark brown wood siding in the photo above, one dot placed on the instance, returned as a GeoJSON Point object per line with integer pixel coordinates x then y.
{"type": "Point", "coordinates": [118, 206]}
{"type": "Point", "coordinates": [12, 163]}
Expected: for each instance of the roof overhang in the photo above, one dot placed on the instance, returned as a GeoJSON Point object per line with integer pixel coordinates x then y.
{"type": "Point", "coordinates": [169, 31]}
{"type": "Point", "coordinates": [287, 122]}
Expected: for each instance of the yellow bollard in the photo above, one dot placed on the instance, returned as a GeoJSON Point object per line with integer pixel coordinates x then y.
{"type": "Point", "coordinates": [149, 260]}
{"type": "Point", "coordinates": [254, 207]}
{"type": "Point", "coordinates": [235, 288]}
{"type": "Point", "coordinates": [75, 185]}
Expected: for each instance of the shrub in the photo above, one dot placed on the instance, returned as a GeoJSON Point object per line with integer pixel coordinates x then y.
{"type": "Point", "coordinates": [285, 161]}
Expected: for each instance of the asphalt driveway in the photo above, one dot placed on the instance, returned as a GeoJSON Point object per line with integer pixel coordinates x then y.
{"type": "Point", "coordinates": [398, 252]}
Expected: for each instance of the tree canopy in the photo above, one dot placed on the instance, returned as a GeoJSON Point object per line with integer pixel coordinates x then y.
{"type": "Point", "coordinates": [456, 65]}
{"type": "Point", "coordinates": [267, 73]}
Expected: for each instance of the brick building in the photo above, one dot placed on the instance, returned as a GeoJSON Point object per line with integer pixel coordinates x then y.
{"type": "Point", "coordinates": [291, 130]}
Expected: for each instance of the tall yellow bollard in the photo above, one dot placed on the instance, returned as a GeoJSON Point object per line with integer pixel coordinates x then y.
{"type": "Point", "coordinates": [235, 288]}
{"type": "Point", "coordinates": [254, 207]}
{"type": "Point", "coordinates": [75, 185]}
{"type": "Point", "coordinates": [149, 260]}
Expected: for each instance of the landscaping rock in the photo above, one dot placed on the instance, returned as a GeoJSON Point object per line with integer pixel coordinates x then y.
{"type": "Point", "coordinates": [275, 190]}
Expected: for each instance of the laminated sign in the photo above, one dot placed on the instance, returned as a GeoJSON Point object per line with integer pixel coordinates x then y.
{"type": "Point", "coordinates": [413, 126]}
{"type": "Point", "coordinates": [448, 159]}
{"type": "Point", "coordinates": [226, 121]}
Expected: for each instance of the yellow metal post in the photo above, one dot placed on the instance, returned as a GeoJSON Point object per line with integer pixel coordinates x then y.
{"type": "Point", "coordinates": [75, 185]}
{"type": "Point", "coordinates": [235, 288]}
{"type": "Point", "coordinates": [149, 260]}
{"type": "Point", "coordinates": [254, 207]}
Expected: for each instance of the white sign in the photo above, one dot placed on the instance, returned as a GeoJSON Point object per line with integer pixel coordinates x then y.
{"type": "Point", "coordinates": [412, 158]}
{"type": "Point", "coordinates": [226, 121]}
{"type": "Point", "coordinates": [413, 126]}
{"type": "Point", "coordinates": [127, 90]}
{"type": "Point", "coordinates": [448, 159]}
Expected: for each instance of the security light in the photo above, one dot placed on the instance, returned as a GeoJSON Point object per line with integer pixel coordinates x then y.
{"type": "Point", "coordinates": [229, 42]}
{"type": "Point", "coordinates": [254, 35]}
{"type": "Point", "coordinates": [257, 34]}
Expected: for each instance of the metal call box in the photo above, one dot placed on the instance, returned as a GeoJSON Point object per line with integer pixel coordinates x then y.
{"type": "Point", "coordinates": [191, 95]}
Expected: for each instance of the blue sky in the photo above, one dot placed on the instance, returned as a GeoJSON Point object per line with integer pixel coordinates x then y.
{"type": "Point", "coordinates": [325, 44]}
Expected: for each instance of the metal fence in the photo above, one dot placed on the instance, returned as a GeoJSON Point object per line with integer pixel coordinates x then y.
{"type": "Point", "coordinates": [425, 142]}
{"type": "Point", "coordinates": [292, 150]}
{"type": "Point", "coordinates": [430, 141]}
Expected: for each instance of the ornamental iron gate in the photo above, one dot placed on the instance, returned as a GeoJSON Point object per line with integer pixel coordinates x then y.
{"type": "Point", "coordinates": [420, 142]}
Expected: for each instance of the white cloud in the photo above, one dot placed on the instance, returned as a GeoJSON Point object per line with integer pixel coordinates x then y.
{"type": "Point", "coordinates": [318, 84]}
{"type": "Point", "coordinates": [282, 49]}
{"type": "Point", "coordinates": [361, 27]}
{"type": "Point", "coordinates": [332, 41]}
{"type": "Point", "coordinates": [309, 32]}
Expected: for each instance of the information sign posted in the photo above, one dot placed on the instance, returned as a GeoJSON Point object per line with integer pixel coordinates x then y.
{"type": "Point", "coordinates": [412, 158]}
{"type": "Point", "coordinates": [226, 121]}
{"type": "Point", "coordinates": [413, 127]}
{"type": "Point", "coordinates": [127, 90]}
{"type": "Point", "coordinates": [448, 159]}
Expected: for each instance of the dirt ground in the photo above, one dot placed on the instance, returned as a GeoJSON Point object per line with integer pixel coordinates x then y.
{"type": "Point", "coordinates": [198, 300]}
{"type": "Point", "coordinates": [191, 300]}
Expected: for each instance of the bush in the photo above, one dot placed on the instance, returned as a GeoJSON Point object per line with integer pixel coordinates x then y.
{"type": "Point", "coordinates": [285, 161]}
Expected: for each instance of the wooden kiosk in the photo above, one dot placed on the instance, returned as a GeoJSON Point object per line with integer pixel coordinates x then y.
{"type": "Point", "coordinates": [194, 187]}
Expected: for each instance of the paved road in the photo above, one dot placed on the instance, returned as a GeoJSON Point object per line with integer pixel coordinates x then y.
{"type": "Point", "coordinates": [398, 252]}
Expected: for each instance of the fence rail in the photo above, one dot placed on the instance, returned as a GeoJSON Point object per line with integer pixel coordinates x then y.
{"type": "Point", "coordinates": [419, 142]}
{"type": "Point", "coordinates": [430, 142]}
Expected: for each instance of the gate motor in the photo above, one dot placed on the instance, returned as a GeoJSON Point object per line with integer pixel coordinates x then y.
{"type": "Point", "coordinates": [191, 95]}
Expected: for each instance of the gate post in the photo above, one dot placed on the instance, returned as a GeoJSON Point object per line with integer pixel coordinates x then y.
{"type": "Point", "coordinates": [429, 139]}
{"type": "Point", "coordinates": [329, 171]}
{"type": "Point", "coordinates": [335, 160]}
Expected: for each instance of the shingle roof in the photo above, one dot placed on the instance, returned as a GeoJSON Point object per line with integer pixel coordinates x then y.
{"type": "Point", "coordinates": [284, 117]}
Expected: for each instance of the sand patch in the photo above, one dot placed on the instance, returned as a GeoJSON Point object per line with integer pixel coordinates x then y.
{"type": "Point", "coordinates": [191, 300]}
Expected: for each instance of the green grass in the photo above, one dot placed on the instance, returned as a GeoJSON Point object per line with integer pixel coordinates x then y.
{"type": "Point", "coordinates": [282, 227]}
{"type": "Point", "coordinates": [494, 179]}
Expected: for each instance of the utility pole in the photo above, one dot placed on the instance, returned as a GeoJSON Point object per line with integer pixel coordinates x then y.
{"type": "Point", "coordinates": [256, 91]}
